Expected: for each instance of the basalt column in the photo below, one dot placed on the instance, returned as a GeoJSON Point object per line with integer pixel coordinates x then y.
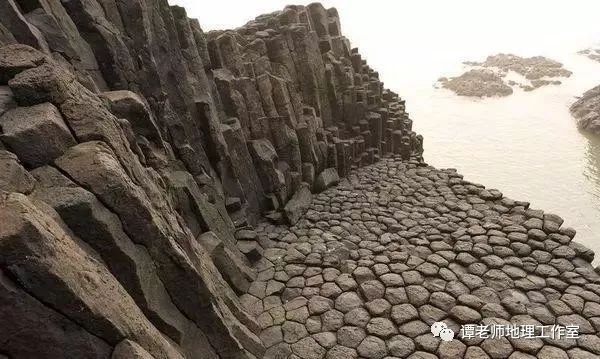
{"type": "Point", "coordinates": [138, 152]}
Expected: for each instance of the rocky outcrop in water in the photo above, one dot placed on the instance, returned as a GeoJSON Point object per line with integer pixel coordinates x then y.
{"type": "Point", "coordinates": [591, 53]}
{"type": "Point", "coordinates": [532, 68]}
{"type": "Point", "coordinates": [137, 153]}
{"type": "Point", "coordinates": [477, 83]}
{"type": "Point", "coordinates": [586, 110]}
{"type": "Point", "coordinates": [491, 77]}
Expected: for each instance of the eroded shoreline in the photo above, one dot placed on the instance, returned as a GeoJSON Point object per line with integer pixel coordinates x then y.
{"type": "Point", "coordinates": [397, 246]}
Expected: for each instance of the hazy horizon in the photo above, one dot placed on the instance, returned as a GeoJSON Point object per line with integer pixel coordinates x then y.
{"type": "Point", "coordinates": [412, 33]}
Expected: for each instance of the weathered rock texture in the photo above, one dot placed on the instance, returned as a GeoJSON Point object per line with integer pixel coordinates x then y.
{"type": "Point", "coordinates": [490, 77]}
{"type": "Point", "coordinates": [477, 83]}
{"type": "Point", "coordinates": [591, 53]}
{"type": "Point", "coordinates": [398, 246]}
{"type": "Point", "coordinates": [138, 152]}
{"type": "Point", "coordinates": [250, 193]}
{"type": "Point", "coordinates": [586, 110]}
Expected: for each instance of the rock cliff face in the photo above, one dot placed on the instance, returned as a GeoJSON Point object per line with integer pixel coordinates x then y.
{"type": "Point", "coordinates": [137, 153]}
{"type": "Point", "coordinates": [586, 110]}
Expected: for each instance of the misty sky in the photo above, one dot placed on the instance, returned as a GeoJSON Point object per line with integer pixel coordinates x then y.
{"type": "Point", "coordinates": [421, 35]}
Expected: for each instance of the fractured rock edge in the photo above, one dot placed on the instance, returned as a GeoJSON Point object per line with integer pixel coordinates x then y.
{"type": "Point", "coordinates": [399, 245]}
{"type": "Point", "coordinates": [136, 158]}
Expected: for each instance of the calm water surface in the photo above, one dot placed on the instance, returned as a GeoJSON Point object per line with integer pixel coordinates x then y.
{"type": "Point", "coordinates": [526, 145]}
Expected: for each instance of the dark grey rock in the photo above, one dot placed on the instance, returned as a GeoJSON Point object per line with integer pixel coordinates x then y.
{"type": "Point", "coordinates": [36, 134]}
{"type": "Point", "coordinates": [327, 178]}
{"type": "Point", "coordinates": [13, 177]}
{"type": "Point", "coordinates": [298, 204]}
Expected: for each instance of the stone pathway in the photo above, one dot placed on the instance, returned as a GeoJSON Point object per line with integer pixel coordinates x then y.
{"type": "Point", "coordinates": [397, 247]}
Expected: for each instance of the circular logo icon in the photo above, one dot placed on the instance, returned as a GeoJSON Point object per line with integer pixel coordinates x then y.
{"type": "Point", "coordinates": [440, 329]}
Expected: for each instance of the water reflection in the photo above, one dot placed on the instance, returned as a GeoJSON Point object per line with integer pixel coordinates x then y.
{"type": "Point", "coordinates": [527, 145]}
{"type": "Point", "coordinates": [592, 167]}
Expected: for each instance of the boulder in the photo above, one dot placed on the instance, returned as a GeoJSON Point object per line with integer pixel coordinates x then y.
{"type": "Point", "coordinates": [265, 89]}
{"type": "Point", "coordinates": [265, 160]}
{"type": "Point", "coordinates": [6, 38]}
{"type": "Point", "coordinates": [36, 134]}
{"type": "Point", "coordinates": [246, 173]}
{"type": "Point", "coordinates": [16, 58]}
{"type": "Point", "coordinates": [44, 83]}
{"type": "Point", "coordinates": [200, 38]}
{"type": "Point", "coordinates": [256, 115]}
{"type": "Point", "coordinates": [228, 50]}
{"type": "Point", "coordinates": [131, 264]}
{"type": "Point", "coordinates": [587, 110]}
{"type": "Point", "coordinates": [327, 178]}
{"type": "Point", "coordinates": [308, 145]}
{"type": "Point", "coordinates": [308, 173]}
{"type": "Point", "coordinates": [130, 106]}
{"type": "Point", "coordinates": [251, 249]}
{"type": "Point", "coordinates": [7, 101]}
{"type": "Point", "coordinates": [31, 321]}
{"type": "Point", "coordinates": [13, 177]}
{"type": "Point", "coordinates": [83, 111]}
{"type": "Point", "coordinates": [53, 266]}
{"type": "Point", "coordinates": [181, 262]}
{"type": "Point", "coordinates": [130, 350]}
{"type": "Point", "coordinates": [233, 269]}
{"type": "Point", "coordinates": [189, 50]}
{"type": "Point", "coordinates": [210, 215]}
{"type": "Point", "coordinates": [286, 143]}
{"type": "Point", "coordinates": [283, 99]}
{"type": "Point", "coordinates": [298, 204]}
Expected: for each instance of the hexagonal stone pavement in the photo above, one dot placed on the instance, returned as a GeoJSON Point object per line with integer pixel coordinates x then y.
{"type": "Point", "coordinates": [398, 246]}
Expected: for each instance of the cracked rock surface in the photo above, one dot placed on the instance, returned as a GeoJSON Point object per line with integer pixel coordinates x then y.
{"type": "Point", "coordinates": [138, 153]}
{"type": "Point", "coordinates": [399, 245]}
{"type": "Point", "coordinates": [141, 158]}
{"type": "Point", "coordinates": [491, 77]}
{"type": "Point", "coordinates": [586, 110]}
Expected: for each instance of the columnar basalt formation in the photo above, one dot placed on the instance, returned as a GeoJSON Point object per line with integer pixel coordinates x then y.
{"type": "Point", "coordinates": [248, 193]}
{"type": "Point", "coordinates": [399, 246]}
{"type": "Point", "coordinates": [137, 153]}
